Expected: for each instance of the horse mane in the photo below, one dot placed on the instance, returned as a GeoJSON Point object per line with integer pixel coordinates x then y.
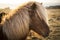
{"type": "Point", "coordinates": [12, 12]}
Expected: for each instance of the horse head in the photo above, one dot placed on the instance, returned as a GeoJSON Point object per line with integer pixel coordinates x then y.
{"type": "Point", "coordinates": [38, 19]}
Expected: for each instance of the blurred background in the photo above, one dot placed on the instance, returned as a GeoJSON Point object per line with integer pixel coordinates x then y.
{"type": "Point", "coordinates": [53, 12]}
{"type": "Point", "coordinates": [14, 3]}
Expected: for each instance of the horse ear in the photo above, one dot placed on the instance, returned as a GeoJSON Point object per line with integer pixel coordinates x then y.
{"type": "Point", "coordinates": [33, 7]}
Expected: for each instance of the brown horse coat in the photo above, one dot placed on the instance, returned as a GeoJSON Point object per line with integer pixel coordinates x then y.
{"type": "Point", "coordinates": [16, 25]}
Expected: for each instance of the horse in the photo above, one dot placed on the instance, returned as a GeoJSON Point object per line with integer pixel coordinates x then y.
{"type": "Point", "coordinates": [18, 22]}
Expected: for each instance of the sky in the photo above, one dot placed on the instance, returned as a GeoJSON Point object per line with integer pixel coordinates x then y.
{"type": "Point", "coordinates": [14, 3]}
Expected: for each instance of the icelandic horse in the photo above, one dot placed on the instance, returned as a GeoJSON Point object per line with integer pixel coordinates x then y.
{"type": "Point", "coordinates": [17, 23]}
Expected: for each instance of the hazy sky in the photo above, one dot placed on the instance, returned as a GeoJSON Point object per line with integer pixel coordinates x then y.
{"type": "Point", "coordinates": [15, 3]}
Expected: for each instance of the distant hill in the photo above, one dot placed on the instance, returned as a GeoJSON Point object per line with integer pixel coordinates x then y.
{"type": "Point", "coordinates": [54, 7]}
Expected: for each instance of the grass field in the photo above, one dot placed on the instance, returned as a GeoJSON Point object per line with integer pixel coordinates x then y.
{"type": "Point", "coordinates": [54, 23]}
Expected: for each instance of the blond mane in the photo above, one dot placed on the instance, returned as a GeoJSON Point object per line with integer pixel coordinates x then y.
{"type": "Point", "coordinates": [12, 12]}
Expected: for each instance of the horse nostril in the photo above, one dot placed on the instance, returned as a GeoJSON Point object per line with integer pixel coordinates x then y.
{"type": "Point", "coordinates": [46, 34]}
